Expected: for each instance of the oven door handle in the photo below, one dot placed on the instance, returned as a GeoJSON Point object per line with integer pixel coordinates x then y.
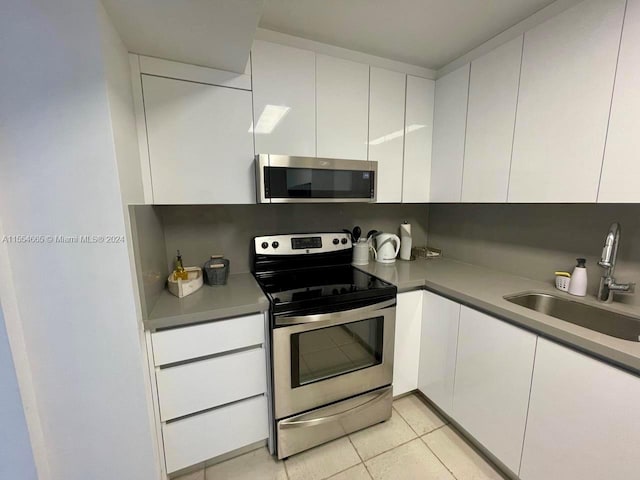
{"type": "Point", "coordinates": [336, 416]}
{"type": "Point", "coordinates": [340, 315]}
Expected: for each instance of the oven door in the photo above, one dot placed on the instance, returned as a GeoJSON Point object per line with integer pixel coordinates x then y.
{"type": "Point", "coordinates": [323, 358]}
{"type": "Point", "coordinates": [285, 179]}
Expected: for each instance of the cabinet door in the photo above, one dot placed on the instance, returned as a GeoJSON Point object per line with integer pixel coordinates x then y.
{"type": "Point", "coordinates": [284, 99]}
{"type": "Point", "coordinates": [568, 68]}
{"type": "Point", "coordinates": [416, 181]}
{"type": "Point", "coordinates": [438, 343]}
{"type": "Point", "coordinates": [342, 96]}
{"type": "Point", "coordinates": [493, 378]}
{"type": "Point", "coordinates": [386, 131]}
{"type": "Point", "coordinates": [407, 342]}
{"type": "Point", "coordinates": [583, 419]}
{"type": "Point", "coordinates": [200, 144]}
{"type": "Point", "coordinates": [493, 93]}
{"type": "Point", "coordinates": [621, 170]}
{"type": "Point", "coordinates": [449, 123]}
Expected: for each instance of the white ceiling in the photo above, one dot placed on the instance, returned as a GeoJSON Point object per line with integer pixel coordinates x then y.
{"type": "Point", "coordinates": [428, 33]}
{"type": "Point", "coordinates": [212, 33]}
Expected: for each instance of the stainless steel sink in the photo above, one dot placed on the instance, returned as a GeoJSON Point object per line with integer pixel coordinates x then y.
{"type": "Point", "coordinates": [588, 316]}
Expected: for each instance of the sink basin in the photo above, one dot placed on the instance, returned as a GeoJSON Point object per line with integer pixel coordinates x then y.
{"type": "Point", "coordinates": [588, 316]}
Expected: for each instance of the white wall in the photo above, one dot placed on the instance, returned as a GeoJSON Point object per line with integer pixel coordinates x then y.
{"type": "Point", "coordinates": [123, 121]}
{"type": "Point", "coordinates": [16, 458]}
{"type": "Point", "coordinates": [76, 303]}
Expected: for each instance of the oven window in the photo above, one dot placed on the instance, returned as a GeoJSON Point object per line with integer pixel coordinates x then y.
{"type": "Point", "coordinates": [289, 182]}
{"type": "Point", "coordinates": [333, 351]}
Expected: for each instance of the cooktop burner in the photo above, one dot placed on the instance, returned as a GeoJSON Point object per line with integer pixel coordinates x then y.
{"type": "Point", "coordinates": [322, 285]}
{"type": "Point", "coordinates": [314, 277]}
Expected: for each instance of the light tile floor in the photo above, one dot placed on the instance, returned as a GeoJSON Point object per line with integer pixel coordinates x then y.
{"type": "Point", "coordinates": [416, 443]}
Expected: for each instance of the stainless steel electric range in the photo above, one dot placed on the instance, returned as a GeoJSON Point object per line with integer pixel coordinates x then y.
{"type": "Point", "coordinates": [331, 343]}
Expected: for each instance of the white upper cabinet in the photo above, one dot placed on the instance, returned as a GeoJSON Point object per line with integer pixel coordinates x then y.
{"type": "Point", "coordinates": [583, 419]}
{"type": "Point", "coordinates": [492, 384]}
{"type": "Point", "coordinates": [406, 350]}
{"type": "Point", "coordinates": [386, 131]}
{"type": "Point", "coordinates": [284, 99]}
{"type": "Point", "coordinates": [568, 69]}
{"type": "Point", "coordinates": [449, 124]}
{"type": "Point", "coordinates": [438, 344]}
{"type": "Point", "coordinates": [417, 140]}
{"type": "Point", "coordinates": [200, 143]}
{"type": "Point", "coordinates": [621, 170]}
{"type": "Point", "coordinates": [493, 93]}
{"type": "Point", "coordinates": [342, 99]}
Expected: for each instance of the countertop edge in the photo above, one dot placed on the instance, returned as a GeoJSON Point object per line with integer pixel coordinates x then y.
{"type": "Point", "coordinates": [584, 345]}
{"type": "Point", "coordinates": [608, 354]}
{"type": "Point", "coordinates": [241, 295]}
{"type": "Point", "coordinates": [152, 325]}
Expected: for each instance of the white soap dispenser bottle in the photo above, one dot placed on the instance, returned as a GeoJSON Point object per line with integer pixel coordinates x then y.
{"type": "Point", "coordinates": [578, 284]}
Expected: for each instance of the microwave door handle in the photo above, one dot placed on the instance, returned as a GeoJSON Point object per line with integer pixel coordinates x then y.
{"type": "Point", "coordinates": [336, 416]}
{"type": "Point", "coordinates": [340, 315]}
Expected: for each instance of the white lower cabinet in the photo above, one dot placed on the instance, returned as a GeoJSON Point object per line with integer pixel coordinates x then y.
{"type": "Point", "coordinates": [195, 439]}
{"type": "Point", "coordinates": [492, 382]}
{"type": "Point", "coordinates": [210, 398]}
{"type": "Point", "coordinates": [545, 411]}
{"type": "Point", "coordinates": [197, 386]}
{"type": "Point", "coordinates": [438, 344]}
{"type": "Point", "coordinates": [407, 342]}
{"type": "Point", "coordinates": [584, 419]}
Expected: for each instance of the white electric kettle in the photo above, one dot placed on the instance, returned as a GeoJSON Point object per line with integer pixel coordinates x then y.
{"type": "Point", "coordinates": [385, 247]}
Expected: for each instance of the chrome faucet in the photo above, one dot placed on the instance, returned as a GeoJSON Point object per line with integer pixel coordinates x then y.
{"type": "Point", "coordinates": [608, 285]}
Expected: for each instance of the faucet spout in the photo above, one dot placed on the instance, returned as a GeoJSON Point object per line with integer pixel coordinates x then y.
{"type": "Point", "coordinates": [608, 259]}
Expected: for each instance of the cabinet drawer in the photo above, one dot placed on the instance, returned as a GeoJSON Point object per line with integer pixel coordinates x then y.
{"type": "Point", "coordinates": [201, 437]}
{"type": "Point", "coordinates": [171, 346]}
{"type": "Point", "coordinates": [197, 386]}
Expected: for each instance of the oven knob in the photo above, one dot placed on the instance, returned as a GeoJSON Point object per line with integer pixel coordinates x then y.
{"type": "Point", "coordinates": [265, 245]}
{"type": "Point", "coordinates": [344, 241]}
{"type": "Point", "coordinates": [336, 241]}
{"type": "Point", "coordinates": [275, 244]}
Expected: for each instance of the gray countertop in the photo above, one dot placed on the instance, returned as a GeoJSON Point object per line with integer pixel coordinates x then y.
{"type": "Point", "coordinates": [484, 289]}
{"type": "Point", "coordinates": [240, 296]}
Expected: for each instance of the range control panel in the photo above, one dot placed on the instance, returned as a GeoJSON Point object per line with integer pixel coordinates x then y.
{"type": "Point", "coordinates": [302, 244]}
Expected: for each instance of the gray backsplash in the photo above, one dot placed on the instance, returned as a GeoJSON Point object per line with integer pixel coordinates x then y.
{"type": "Point", "coordinates": [202, 230]}
{"type": "Point", "coordinates": [535, 240]}
{"type": "Point", "coordinates": [150, 252]}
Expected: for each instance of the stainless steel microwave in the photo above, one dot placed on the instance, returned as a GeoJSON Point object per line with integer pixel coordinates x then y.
{"type": "Point", "coordinates": [285, 179]}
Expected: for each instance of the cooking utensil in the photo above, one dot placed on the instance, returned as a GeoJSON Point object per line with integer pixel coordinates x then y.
{"type": "Point", "coordinates": [357, 232]}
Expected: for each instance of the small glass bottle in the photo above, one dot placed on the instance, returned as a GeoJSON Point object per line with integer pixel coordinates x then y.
{"type": "Point", "coordinates": [180, 272]}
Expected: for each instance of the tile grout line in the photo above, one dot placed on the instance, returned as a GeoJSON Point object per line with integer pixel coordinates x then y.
{"type": "Point", "coordinates": [436, 455]}
{"type": "Point", "coordinates": [475, 449]}
{"type": "Point", "coordinates": [360, 457]}
{"type": "Point", "coordinates": [286, 471]}
{"type": "Point", "coordinates": [444, 422]}
{"type": "Point", "coordinates": [389, 450]}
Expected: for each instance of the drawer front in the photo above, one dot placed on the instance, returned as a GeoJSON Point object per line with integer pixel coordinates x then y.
{"type": "Point", "coordinates": [185, 343]}
{"type": "Point", "coordinates": [197, 386]}
{"type": "Point", "coordinates": [201, 437]}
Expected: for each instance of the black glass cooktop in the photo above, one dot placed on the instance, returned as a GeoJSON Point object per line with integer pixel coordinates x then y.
{"type": "Point", "coordinates": [322, 287]}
